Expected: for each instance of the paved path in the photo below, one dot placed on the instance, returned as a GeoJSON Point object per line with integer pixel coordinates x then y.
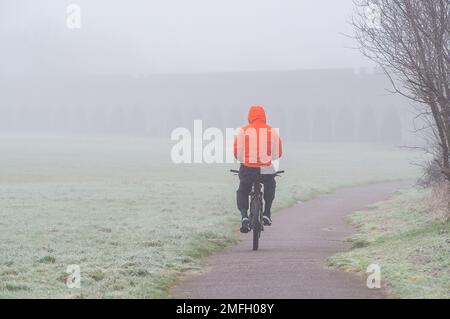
{"type": "Point", "coordinates": [292, 255]}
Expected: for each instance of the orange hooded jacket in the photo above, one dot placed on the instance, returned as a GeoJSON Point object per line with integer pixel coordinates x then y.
{"type": "Point", "coordinates": [257, 143]}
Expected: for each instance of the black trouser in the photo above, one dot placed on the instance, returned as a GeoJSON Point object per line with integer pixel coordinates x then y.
{"type": "Point", "coordinates": [247, 176]}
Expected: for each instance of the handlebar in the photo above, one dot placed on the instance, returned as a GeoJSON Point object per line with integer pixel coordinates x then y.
{"type": "Point", "coordinates": [276, 174]}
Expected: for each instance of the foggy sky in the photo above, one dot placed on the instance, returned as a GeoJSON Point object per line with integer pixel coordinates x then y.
{"type": "Point", "coordinates": [146, 36]}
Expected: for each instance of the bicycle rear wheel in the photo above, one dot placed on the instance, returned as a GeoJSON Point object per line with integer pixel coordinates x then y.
{"type": "Point", "coordinates": [255, 209]}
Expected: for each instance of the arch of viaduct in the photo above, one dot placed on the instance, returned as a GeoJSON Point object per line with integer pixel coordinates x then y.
{"type": "Point", "coordinates": [316, 105]}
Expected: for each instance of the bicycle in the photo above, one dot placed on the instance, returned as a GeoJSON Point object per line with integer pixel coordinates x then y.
{"type": "Point", "coordinates": [256, 208]}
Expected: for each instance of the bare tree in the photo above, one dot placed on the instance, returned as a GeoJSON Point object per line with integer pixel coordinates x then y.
{"type": "Point", "coordinates": [409, 40]}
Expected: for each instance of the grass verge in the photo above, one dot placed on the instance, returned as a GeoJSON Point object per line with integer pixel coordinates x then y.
{"type": "Point", "coordinates": [402, 236]}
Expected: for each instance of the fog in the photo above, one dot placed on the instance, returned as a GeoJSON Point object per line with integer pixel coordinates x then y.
{"type": "Point", "coordinates": [147, 67]}
{"type": "Point", "coordinates": [141, 37]}
{"type": "Point", "coordinates": [98, 190]}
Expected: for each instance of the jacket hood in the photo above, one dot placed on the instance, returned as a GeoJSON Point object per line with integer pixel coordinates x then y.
{"type": "Point", "coordinates": [256, 113]}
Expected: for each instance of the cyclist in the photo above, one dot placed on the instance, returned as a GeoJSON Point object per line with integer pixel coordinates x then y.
{"type": "Point", "coordinates": [255, 146]}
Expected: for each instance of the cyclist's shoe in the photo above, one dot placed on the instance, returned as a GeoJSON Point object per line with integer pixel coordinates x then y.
{"type": "Point", "coordinates": [245, 225]}
{"type": "Point", "coordinates": [267, 221]}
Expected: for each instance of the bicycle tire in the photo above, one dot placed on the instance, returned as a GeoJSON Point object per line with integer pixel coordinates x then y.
{"type": "Point", "coordinates": [256, 221]}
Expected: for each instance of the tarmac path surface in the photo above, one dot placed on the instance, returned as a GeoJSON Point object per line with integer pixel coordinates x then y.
{"type": "Point", "coordinates": [291, 260]}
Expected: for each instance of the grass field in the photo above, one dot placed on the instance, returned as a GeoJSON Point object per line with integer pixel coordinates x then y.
{"type": "Point", "coordinates": [402, 236]}
{"type": "Point", "coordinates": [131, 219]}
